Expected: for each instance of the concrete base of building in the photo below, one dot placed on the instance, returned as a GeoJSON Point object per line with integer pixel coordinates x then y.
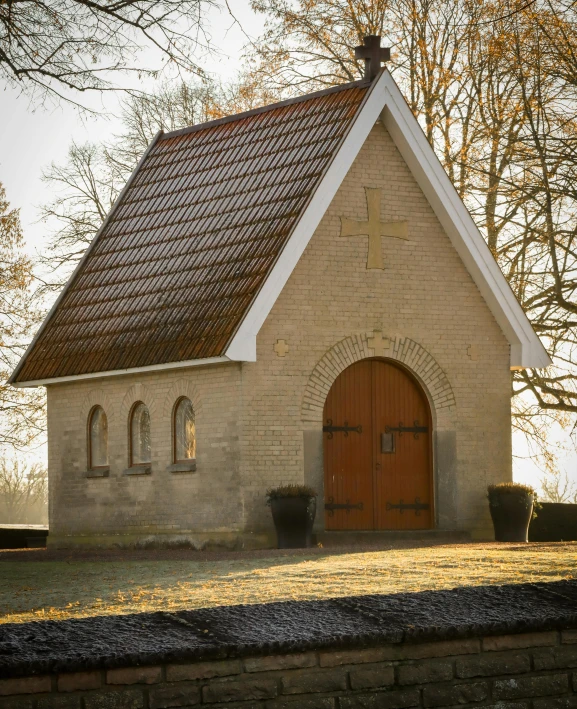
{"type": "Point", "coordinates": [202, 541]}
{"type": "Point", "coordinates": [382, 537]}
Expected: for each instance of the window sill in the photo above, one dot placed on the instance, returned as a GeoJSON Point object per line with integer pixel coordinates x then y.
{"type": "Point", "coordinates": [188, 466]}
{"type": "Point", "coordinates": [97, 473]}
{"type": "Point", "coordinates": [138, 470]}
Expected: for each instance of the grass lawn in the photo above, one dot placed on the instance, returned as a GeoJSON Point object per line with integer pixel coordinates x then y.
{"type": "Point", "coordinates": [57, 589]}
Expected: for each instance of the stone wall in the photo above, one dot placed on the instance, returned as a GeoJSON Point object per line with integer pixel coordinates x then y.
{"type": "Point", "coordinates": [260, 424]}
{"type": "Point", "coordinates": [555, 522]}
{"type": "Point", "coordinates": [535, 670]}
{"type": "Point", "coordinates": [20, 536]}
{"type": "Point", "coordinates": [198, 507]}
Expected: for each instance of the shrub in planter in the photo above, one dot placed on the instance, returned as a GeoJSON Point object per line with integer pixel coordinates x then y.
{"type": "Point", "coordinates": [511, 506]}
{"type": "Point", "coordinates": [293, 511]}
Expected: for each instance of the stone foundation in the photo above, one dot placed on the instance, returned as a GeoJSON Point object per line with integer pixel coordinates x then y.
{"type": "Point", "coordinates": [522, 671]}
{"type": "Point", "coordinates": [201, 541]}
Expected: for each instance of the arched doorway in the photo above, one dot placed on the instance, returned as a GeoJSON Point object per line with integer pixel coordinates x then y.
{"type": "Point", "coordinates": [377, 434]}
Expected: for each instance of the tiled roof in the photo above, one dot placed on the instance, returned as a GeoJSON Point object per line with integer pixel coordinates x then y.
{"type": "Point", "coordinates": [193, 238]}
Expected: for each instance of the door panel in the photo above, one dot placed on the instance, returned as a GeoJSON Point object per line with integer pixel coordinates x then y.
{"type": "Point", "coordinates": [375, 395]}
{"type": "Point", "coordinates": [348, 454]}
{"type": "Point", "coordinates": [402, 477]}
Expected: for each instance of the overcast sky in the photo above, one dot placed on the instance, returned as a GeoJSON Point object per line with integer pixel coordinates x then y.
{"type": "Point", "coordinates": [31, 138]}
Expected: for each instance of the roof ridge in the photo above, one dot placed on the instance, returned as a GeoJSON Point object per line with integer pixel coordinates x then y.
{"type": "Point", "coordinates": [263, 109]}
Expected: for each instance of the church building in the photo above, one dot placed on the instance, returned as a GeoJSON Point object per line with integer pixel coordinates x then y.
{"type": "Point", "coordinates": [295, 294]}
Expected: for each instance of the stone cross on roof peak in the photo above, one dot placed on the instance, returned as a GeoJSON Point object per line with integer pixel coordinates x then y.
{"type": "Point", "coordinates": [373, 54]}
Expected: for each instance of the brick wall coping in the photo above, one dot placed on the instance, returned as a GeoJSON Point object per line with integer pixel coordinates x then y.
{"type": "Point", "coordinates": [107, 642]}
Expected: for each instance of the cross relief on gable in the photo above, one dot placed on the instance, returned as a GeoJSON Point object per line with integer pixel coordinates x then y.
{"type": "Point", "coordinates": [374, 228]}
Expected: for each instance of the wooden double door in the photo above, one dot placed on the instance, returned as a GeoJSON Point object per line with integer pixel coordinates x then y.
{"type": "Point", "coordinates": [377, 450]}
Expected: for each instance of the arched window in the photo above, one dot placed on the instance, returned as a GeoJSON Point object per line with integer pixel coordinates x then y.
{"type": "Point", "coordinates": [97, 438]}
{"type": "Point", "coordinates": [139, 434]}
{"type": "Point", "coordinates": [184, 434]}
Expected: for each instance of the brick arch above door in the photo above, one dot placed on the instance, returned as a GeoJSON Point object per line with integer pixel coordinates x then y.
{"type": "Point", "coordinates": [358, 346]}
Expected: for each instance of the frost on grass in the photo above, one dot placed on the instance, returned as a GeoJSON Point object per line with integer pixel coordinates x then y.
{"type": "Point", "coordinates": [57, 590]}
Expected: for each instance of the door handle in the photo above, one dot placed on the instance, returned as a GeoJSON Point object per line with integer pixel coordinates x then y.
{"type": "Point", "coordinates": [387, 442]}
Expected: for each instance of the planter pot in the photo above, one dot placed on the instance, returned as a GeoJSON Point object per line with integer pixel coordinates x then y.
{"type": "Point", "coordinates": [511, 514]}
{"type": "Point", "coordinates": [293, 520]}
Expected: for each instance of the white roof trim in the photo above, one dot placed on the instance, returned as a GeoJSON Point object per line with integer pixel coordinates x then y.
{"type": "Point", "coordinates": [132, 370]}
{"type": "Point", "coordinates": [386, 100]}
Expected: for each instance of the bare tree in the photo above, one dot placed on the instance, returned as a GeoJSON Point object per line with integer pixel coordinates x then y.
{"type": "Point", "coordinates": [21, 410]}
{"type": "Point", "coordinates": [309, 45]}
{"type": "Point", "coordinates": [85, 188]}
{"type": "Point", "coordinates": [63, 46]}
{"type": "Point", "coordinates": [558, 488]}
{"type": "Point", "coordinates": [545, 256]}
{"type": "Point", "coordinates": [23, 493]}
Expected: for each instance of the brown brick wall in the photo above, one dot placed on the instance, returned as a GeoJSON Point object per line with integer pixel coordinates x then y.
{"type": "Point", "coordinates": [532, 671]}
